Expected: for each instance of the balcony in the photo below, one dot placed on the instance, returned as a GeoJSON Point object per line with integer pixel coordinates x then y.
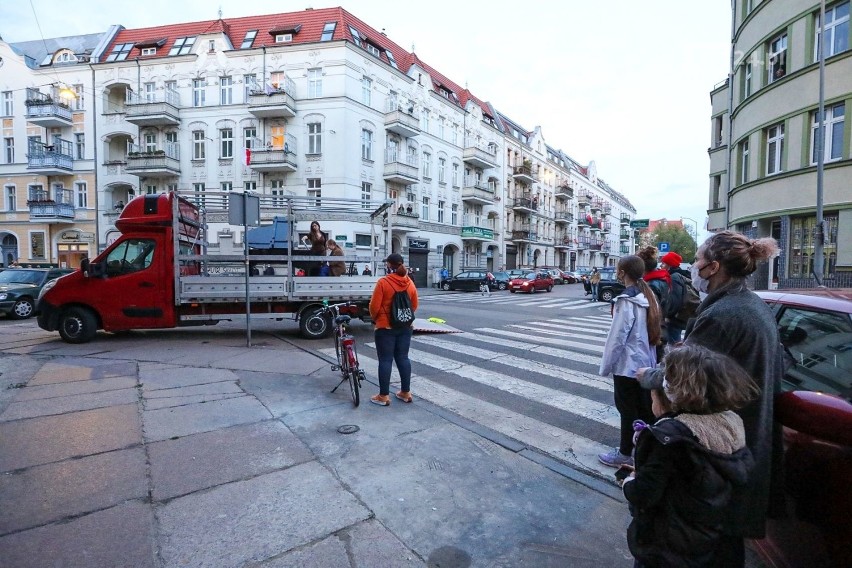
{"type": "Point", "coordinates": [525, 204]}
{"type": "Point", "coordinates": [477, 228]}
{"type": "Point", "coordinates": [624, 236]}
{"type": "Point", "coordinates": [606, 248]}
{"type": "Point", "coordinates": [606, 227]}
{"type": "Point", "coordinates": [401, 168]}
{"type": "Point", "coordinates": [596, 244]}
{"type": "Point", "coordinates": [404, 219]}
{"type": "Point", "coordinates": [476, 190]}
{"type": "Point", "coordinates": [625, 249]}
{"type": "Point", "coordinates": [564, 191]}
{"type": "Point", "coordinates": [480, 156]}
{"type": "Point", "coordinates": [584, 221]}
{"type": "Point", "coordinates": [625, 220]}
{"type": "Point", "coordinates": [524, 236]}
{"type": "Point", "coordinates": [606, 209]}
{"type": "Point", "coordinates": [563, 242]}
{"type": "Point", "coordinates": [50, 159]}
{"type": "Point", "coordinates": [564, 217]}
{"type": "Point", "coordinates": [43, 209]}
{"type": "Point", "coordinates": [584, 199]}
{"type": "Point", "coordinates": [595, 205]}
{"type": "Point", "coordinates": [583, 243]}
{"type": "Point", "coordinates": [524, 174]}
{"type": "Point", "coordinates": [154, 109]}
{"type": "Point", "coordinates": [273, 157]}
{"type": "Point", "coordinates": [154, 163]}
{"type": "Point", "coordinates": [273, 101]}
{"type": "Point", "coordinates": [401, 119]}
{"type": "Point", "coordinates": [43, 111]}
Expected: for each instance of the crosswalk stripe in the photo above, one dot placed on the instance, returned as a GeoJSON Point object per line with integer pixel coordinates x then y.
{"type": "Point", "coordinates": [534, 347]}
{"type": "Point", "coordinates": [541, 331]}
{"type": "Point", "coordinates": [577, 405]}
{"type": "Point", "coordinates": [547, 340]}
{"type": "Point", "coordinates": [586, 322]}
{"type": "Point", "coordinates": [563, 326]}
{"type": "Point", "coordinates": [561, 444]}
{"type": "Point", "coordinates": [520, 363]}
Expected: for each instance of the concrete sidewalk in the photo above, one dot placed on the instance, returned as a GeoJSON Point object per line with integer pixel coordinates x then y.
{"type": "Point", "coordinates": [184, 448]}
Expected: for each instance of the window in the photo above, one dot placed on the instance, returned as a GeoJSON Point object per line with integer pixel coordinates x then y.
{"type": "Point", "coordinates": [171, 90]}
{"type": "Point", "coordinates": [277, 137]}
{"type": "Point", "coordinates": [225, 187]}
{"type": "Point", "coordinates": [328, 31]}
{"type": "Point", "coordinates": [315, 190]}
{"type": "Point", "coordinates": [440, 211]}
{"type": "Point", "coordinates": [249, 135]}
{"type": "Point", "coordinates": [283, 38]}
{"type": "Point", "coordinates": [80, 101]}
{"type": "Point", "coordinates": [832, 133]}
{"type": "Point", "coordinates": [427, 165]}
{"type": "Point", "coordinates": [171, 187]}
{"type": "Point", "coordinates": [276, 79]}
{"type": "Point", "coordinates": [373, 49]}
{"type": "Point", "coordinates": [198, 145]}
{"type": "Point", "coordinates": [226, 143]}
{"type": "Point", "coordinates": [198, 190]}
{"type": "Point", "coordinates": [314, 83]}
{"type": "Point", "coordinates": [82, 195]}
{"type": "Point", "coordinates": [198, 92]}
{"type": "Point", "coordinates": [777, 67]}
{"type": "Point", "coordinates": [149, 92]}
{"type": "Point", "coordinates": [454, 214]}
{"type": "Point", "coordinates": [119, 52]}
{"type": "Point", "coordinates": [250, 186]}
{"type": "Point", "coordinates": [248, 40]}
{"type": "Point", "coordinates": [150, 142]}
{"type": "Point", "coordinates": [277, 193]}
{"type": "Point", "coordinates": [171, 139]}
{"type": "Point", "coordinates": [366, 90]}
{"type": "Point", "coordinates": [366, 194]}
{"type": "Point", "coordinates": [11, 198]}
{"type": "Point", "coordinates": [425, 209]}
{"type": "Point", "coordinates": [8, 103]}
{"type": "Point", "coordinates": [774, 148]}
{"type": "Point", "coordinates": [455, 175]}
{"type": "Point", "coordinates": [151, 189]}
{"type": "Point", "coordinates": [9, 150]}
{"type": "Point", "coordinates": [425, 121]}
{"type": "Point", "coordinates": [226, 91]}
{"type": "Point", "coordinates": [314, 138]}
{"type": "Point", "coordinates": [80, 145]}
{"type": "Point", "coordinates": [744, 161]}
{"type": "Point", "coordinates": [363, 240]}
{"type": "Point", "coordinates": [836, 30]}
{"type": "Point", "coordinates": [182, 46]}
{"type": "Point", "coordinates": [442, 169]}
{"type": "Point", "coordinates": [356, 37]}
{"type": "Point", "coordinates": [441, 129]}
{"type": "Point", "coordinates": [747, 80]}
{"type": "Point", "coordinates": [149, 51]}
{"type": "Point", "coordinates": [37, 245]}
{"type": "Point", "coordinates": [249, 85]}
{"type": "Point", "coordinates": [391, 60]}
{"type": "Point", "coordinates": [366, 145]}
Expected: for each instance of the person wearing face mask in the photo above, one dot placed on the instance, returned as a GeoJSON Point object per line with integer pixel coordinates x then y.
{"type": "Point", "coordinates": [734, 321]}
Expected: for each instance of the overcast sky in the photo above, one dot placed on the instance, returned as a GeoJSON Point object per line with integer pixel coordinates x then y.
{"type": "Point", "coordinates": [621, 82]}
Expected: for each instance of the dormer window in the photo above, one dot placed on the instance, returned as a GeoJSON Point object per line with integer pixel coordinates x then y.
{"type": "Point", "coordinates": [149, 51]}
{"type": "Point", "coordinates": [182, 46]}
{"type": "Point", "coordinates": [211, 46]}
{"type": "Point", "coordinates": [119, 52]}
{"type": "Point", "coordinates": [284, 34]}
{"type": "Point", "coordinates": [328, 31]}
{"type": "Point", "coordinates": [356, 37]}
{"type": "Point", "coordinates": [283, 38]}
{"type": "Point", "coordinates": [249, 39]}
{"type": "Point", "coordinates": [391, 60]}
{"type": "Point", "coordinates": [373, 49]}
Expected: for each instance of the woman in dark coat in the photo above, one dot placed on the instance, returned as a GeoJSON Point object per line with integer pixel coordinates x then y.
{"type": "Point", "coordinates": [734, 320]}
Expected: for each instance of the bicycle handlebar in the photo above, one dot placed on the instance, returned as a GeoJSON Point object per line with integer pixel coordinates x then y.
{"type": "Point", "coordinates": [336, 307]}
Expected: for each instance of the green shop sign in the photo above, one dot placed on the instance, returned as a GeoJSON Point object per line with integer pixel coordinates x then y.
{"type": "Point", "coordinates": [477, 232]}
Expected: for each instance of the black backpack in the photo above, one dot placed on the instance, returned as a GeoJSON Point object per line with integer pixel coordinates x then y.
{"type": "Point", "coordinates": [401, 312]}
{"type": "Point", "coordinates": [683, 300]}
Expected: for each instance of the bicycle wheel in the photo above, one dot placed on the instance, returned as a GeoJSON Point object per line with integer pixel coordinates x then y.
{"type": "Point", "coordinates": [352, 374]}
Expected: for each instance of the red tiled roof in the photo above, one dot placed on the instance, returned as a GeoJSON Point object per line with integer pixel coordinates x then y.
{"type": "Point", "coordinates": [311, 22]}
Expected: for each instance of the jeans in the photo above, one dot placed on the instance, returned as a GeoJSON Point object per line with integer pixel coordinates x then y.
{"type": "Point", "coordinates": [595, 288]}
{"type": "Point", "coordinates": [673, 333]}
{"type": "Point", "coordinates": [392, 345]}
{"type": "Point", "coordinates": [633, 403]}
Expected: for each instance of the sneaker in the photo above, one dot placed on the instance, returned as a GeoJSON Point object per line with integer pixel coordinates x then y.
{"type": "Point", "coordinates": [404, 396]}
{"type": "Point", "coordinates": [615, 458]}
{"type": "Point", "coordinates": [380, 399]}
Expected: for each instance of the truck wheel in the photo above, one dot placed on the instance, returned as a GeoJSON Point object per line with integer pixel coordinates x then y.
{"type": "Point", "coordinates": [313, 324]}
{"type": "Point", "coordinates": [22, 309]}
{"type": "Point", "coordinates": [77, 325]}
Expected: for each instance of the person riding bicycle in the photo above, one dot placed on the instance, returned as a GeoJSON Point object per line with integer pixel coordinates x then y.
{"type": "Point", "coordinates": [487, 283]}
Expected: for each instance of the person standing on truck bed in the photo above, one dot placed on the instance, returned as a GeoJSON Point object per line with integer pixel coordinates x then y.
{"type": "Point", "coordinates": [337, 267]}
{"type": "Point", "coordinates": [319, 243]}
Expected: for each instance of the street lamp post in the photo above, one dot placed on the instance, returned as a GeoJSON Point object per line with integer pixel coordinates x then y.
{"type": "Point", "coordinates": [694, 222]}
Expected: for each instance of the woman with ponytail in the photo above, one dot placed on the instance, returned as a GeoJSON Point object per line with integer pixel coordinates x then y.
{"type": "Point", "coordinates": [734, 321]}
{"type": "Point", "coordinates": [631, 345]}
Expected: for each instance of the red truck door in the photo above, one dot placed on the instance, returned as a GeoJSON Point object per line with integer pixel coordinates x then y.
{"type": "Point", "coordinates": [135, 290]}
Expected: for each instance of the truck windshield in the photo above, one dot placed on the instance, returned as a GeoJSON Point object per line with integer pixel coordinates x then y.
{"type": "Point", "coordinates": [130, 256]}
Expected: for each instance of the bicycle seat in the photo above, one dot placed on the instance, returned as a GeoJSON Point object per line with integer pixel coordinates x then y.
{"type": "Point", "coordinates": [342, 319]}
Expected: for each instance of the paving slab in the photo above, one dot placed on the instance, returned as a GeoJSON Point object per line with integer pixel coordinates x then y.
{"type": "Point", "coordinates": [155, 376]}
{"type": "Point", "coordinates": [285, 394]}
{"type": "Point", "coordinates": [80, 542]}
{"type": "Point", "coordinates": [54, 390]}
{"type": "Point", "coordinates": [204, 460]}
{"type": "Point", "coordinates": [60, 405]}
{"type": "Point", "coordinates": [15, 370]}
{"type": "Point", "coordinates": [175, 421]}
{"type": "Point", "coordinates": [292, 361]}
{"type": "Point", "coordinates": [75, 369]}
{"type": "Point", "coordinates": [256, 519]}
{"type": "Point", "coordinates": [217, 388]}
{"type": "Point", "coordinates": [37, 441]}
{"type": "Point", "coordinates": [160, 403]}
{"type": "Point", "coordinates": [48, 493]}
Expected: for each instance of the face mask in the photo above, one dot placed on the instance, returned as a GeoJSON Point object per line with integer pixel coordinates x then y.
{"type": "Point", "coordinates": [701, 284]}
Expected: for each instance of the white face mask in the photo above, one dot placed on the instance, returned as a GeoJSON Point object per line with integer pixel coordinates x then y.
{"type": "Point", "coordinates": [701, 284]}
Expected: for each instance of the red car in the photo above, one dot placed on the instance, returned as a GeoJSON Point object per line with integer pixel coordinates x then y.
{"type": "Point", "coordinates": [816, 414]}
{"type": "Point", "coordinates": [531, 282]}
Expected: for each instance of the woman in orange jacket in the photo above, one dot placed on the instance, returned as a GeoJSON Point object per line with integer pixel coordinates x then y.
{"type": "Point", "coordinates": [392, 344]}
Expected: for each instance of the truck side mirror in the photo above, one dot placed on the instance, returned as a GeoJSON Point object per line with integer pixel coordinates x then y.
{"type": "Point", "coordinates": [92, 269]}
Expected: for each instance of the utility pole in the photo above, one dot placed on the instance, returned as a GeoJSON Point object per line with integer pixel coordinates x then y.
{"type": "Point", "coordinates": [819, 229]}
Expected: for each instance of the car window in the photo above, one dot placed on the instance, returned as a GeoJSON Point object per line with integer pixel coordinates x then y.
{"type": "Point", "coordinates": [130, 256]}
{"type": "Point", "coordinates": [821, 344]}
{"type": "Point", "coordinates": [21, 276]}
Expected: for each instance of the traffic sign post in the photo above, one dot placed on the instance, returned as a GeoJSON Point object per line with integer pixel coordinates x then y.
{"type": "Point", "coordinates": [639, 224]}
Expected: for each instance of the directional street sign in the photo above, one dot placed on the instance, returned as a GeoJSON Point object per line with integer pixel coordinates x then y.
{"type": "Point", "coordinates": [639, 224]}
{"type": "Point", "coordinates": [664, 247]}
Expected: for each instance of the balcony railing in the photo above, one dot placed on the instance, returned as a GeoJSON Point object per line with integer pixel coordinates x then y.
{"type": "Point", "coordinates": [50, 159]}
{"type": "Point", "coordinates": [154, 108]}
{"type": "Point", "coordinates": [524, 236]}
{"type": "Point", "coordinates": [564, 216]}
{"type": "Point", "coordinates": [624, 235]}
{"type": "Point", "coordinates": [478, 221]}
{"type": "Point", "coordinates": [524, 174]}
{"type": "Point", "coordinates": [401, 168]}
{"type": "Point", "coordinates": [279, 155]}
{"type": "Point", "coordinates": [272, 100]}
{"type": "Point", "coordinates": [44, 111]}
{"type": "Point", "coordinates": [45, 210]}
{"type": "Point", "coordinates": [564, 191]}
{"type": "Point", "coordinates": [480, 155]}
{"type": "Point", "coordinates": [625, 219]}
{"type": "Point", "coordinates": [154, 162]}
{"type": "Point", "coordinates": [477, 190]}
{"type": "Point", "coordinates": [401, 118]}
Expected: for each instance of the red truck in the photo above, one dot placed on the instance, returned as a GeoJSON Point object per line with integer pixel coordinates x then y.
{"type": "Point", "coordinates": [156, 275]}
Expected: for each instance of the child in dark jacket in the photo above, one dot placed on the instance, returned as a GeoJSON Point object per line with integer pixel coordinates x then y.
{"type": "Point", "coordinates": [689, 460]}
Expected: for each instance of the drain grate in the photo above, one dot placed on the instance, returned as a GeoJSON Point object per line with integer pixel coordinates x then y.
{"type": "Point", "coordinates": [348, 429]}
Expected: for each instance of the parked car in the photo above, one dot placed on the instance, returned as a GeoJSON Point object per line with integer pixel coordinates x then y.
{"type": "Point", "coordinates": [532, 282]}
{"type": "Point", "coordinates": [608, 288]}
{"type": "Point", "coordinates": [468, 281]}
{"type": "Point", "coordinates": [20, 287]}
{"type": "Point", "coordinates": [516, 273]}
{"type": "Point", "coordinates": [501, 280]}
{"type": "Point", "coordinates": [816, 414]}
{"type": "Point", "coordinates": [555, 273]}
{"type": "Point", "coordinates": [570, 277]}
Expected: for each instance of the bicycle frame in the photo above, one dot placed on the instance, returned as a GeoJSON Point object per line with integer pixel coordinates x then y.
{"type": "Point", "coordinates": [346, 352]}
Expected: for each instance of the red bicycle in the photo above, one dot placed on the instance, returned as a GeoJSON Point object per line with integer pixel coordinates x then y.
{"type": "Point", "coordinates": [345, 350]}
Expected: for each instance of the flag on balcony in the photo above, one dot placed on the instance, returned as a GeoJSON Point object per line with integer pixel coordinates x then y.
{"type": "Point", "coordinates": [248, 157]}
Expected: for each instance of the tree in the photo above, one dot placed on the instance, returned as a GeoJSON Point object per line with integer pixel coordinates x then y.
{"type": "Point", "coordinates": [680, 240]}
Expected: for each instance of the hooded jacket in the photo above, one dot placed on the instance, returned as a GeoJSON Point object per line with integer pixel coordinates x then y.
{"type": "Point", "coordinates": [687, 467]}
{"type": "Point", "coordinates": [627, 347]}
{"type": "Point", "coordinates": [380, 302]}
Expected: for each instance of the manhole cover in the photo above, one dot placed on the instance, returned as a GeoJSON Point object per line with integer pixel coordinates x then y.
{"type": "Point", "coordinates": [348, 429]}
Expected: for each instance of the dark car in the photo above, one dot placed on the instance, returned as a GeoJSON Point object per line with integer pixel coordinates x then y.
{"type": "Point", "coordinates": [816, 415]}
{"type": "Point", "coordinates": [20, 287]}
{"type": "Point", "coordinates": [469, 281]}
{"type": "Point", "coordinates": [532, 282]}
{"type": "Point", "coordinates": [608, 288]}
{"type": "Point", "coordinates": [570, 277]}
{"type": "Point", "coordinates": [501, 280]}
